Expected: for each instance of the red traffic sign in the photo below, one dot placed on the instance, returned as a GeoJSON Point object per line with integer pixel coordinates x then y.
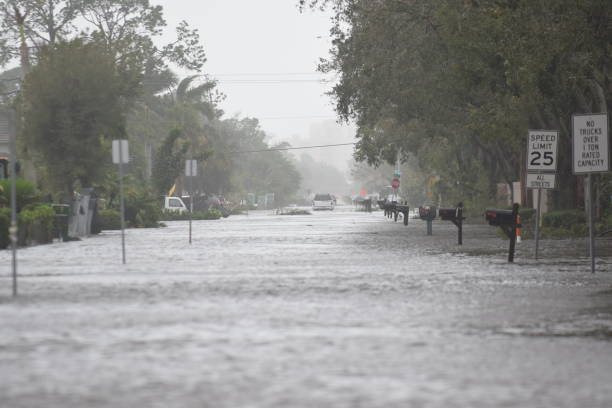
{"type": "Point", "coordinates": [395, 183]}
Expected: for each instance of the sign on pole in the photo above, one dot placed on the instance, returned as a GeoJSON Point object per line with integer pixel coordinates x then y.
{"type": "Point", "coordinates": [395, 183]}
{"type": "Point", "coordinates": [121, 156]}
{"type": "Point", "coordinates": [542, 150]}
{"type": "Point", "coordinates": [191, 171]}
{"type": "Point", "coordinates": [120, 152]}
{"type": "Point", "coordinates": [591, 154]}
{"type": "Point", "coordinates": [541, 168]}
{"type": "Point", "coordinates": [545, 181]}
{"type": "Point", "coordinates": [191, 168]}
{"type": "Point", "coordinates": [590, 143]}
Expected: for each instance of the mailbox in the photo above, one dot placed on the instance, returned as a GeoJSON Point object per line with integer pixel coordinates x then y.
{"type": "Point", "coordinates": [507, 220]}
{"type": "Point", "coordinates": [405, 210]}
{"type": "Point", "coordinates": [454, 215]}
{"type": "Point", "coordinates": [448, 214]}
{"type": "Point", "coordinates": [499, 218]}
{"type": "Point", "coordinates": [427, 213]}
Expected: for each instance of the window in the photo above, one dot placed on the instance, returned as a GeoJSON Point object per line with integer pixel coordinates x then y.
{"type": "Point", "coordinates": [322, 197]}
{"type": "Point", "coordinates": [175, 202]}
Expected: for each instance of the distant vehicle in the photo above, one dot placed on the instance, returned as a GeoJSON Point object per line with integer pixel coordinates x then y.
{"type": "Point", "coordinates": [394, 198]}
{"type": "Point", "coordinates": [323, 202]}
{"type": "Point", "coordinates": [174, 204]}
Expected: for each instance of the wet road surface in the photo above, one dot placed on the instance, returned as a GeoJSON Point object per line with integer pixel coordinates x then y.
{"type": "Point", "coordinates": [335, 309]}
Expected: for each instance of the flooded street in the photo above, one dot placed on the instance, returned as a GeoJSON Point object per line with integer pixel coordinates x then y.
{"type": "Point", "coordinates": [333, 309]}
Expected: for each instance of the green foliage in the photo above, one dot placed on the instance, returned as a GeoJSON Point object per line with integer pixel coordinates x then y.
{"type": "Point", "coordinates": [5, 223]}
{"type": "Point", "coordinates": [141, 209]}
{"type": "Point", "coordinates": [27, 194]}
{"type": "Point", "coordinates": [564, 219]}
{"type": "Point", "coordinates": [127, 28]}
{"type": "Point", "coordinates": [564, 224]}
{"type": "Point", "coordinates": [169, 161]}
{"type": "Point", "coordinates": [458, 83]}
{"type": "Point", "coordinates": [197, 215]}
{"type": "Point", "coordinates": [109, 220]}
{"type": "Point", "coordinates": [70, 119]}
{"type": "Point", "coordinates": [527, 215]}
{"type": "Point", "coordinates": [36, 224]}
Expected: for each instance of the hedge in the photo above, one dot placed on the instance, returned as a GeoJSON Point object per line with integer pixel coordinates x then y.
{"type": "Point", "coordinates": [35, 225]}
{"type": "Point", "coordinates": [564, 219]}
{"type": "Point", "coordinates": [197, 215]}
{"type": "Point", "coordinates": [108, 220]}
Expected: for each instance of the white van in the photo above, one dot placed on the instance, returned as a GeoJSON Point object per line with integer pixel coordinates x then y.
{"type": "Point", "coordinates": [174, 204]}
{"type": "Point", "coordinates": [323, 202]}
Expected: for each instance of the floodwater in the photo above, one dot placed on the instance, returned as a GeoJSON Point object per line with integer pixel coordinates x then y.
{"type": "Point", "coordinates": [333, 309]}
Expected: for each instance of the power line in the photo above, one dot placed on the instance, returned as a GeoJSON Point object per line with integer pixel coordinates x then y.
{"type": "Point", "coordinates": [279, 149]}
{"type": "Point", "coordinates": [295, 117]}
{"type": "Point", "coordinates": [266, 74]}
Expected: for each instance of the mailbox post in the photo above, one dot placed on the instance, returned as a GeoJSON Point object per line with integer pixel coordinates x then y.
{"type": "Point", "coordinates": [507, 221]}
{"type": "Point", "coordinates": [454, 215]}
{"type": "Point", "coordinates": [428, 214]}
{"type": "Point", "coordinates": [405, 210]}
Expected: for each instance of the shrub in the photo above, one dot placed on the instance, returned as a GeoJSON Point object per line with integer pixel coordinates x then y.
{"type": "Point", "coordinates": [109, 220]}
{"type": "Point", "coordinates": [27, 194]}
{"type": "Point", "coordinates": [564, 219]}
{"type": "Point", "coordinates": [527, 215]}
{"type": "Point", "coordinates": [141, 209]}
{"type": "Point", "coordinates": [197, 215]}
{"type": "Point", "coordinates": [36, 224]}
{"type": "Point", "coordinates": [5, 223]}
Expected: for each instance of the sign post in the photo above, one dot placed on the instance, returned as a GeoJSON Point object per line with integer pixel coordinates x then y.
{"type": "Point", "coordinates": [121, 156]}
{"type": "Point", "coordinates": [541, 168]}
{"type": "Point", "coordinates": [591, 154]}
{"type": "Point", "coordinates": [191, 171]}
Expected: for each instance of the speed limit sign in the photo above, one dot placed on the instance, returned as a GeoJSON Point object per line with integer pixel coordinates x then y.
{"type": "Point", "coordinates": [542, 150]}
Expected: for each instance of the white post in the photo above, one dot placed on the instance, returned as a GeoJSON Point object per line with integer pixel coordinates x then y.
{"type": "Point", "coordinates": [537, 226]}
{"type": "Point", "coordinates": [590, 215]}
{"type": "Point", "coordinates": [190, 203]}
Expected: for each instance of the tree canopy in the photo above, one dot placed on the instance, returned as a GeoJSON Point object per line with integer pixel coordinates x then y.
{"type": "Point", "coordinates": [455, 81]}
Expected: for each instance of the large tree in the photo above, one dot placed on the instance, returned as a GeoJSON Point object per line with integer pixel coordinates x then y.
{"type": "Point", "coordinates": [75, 101]}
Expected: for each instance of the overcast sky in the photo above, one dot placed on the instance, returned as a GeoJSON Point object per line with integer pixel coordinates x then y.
{"type": "Point", "coordinates": [265, 54]}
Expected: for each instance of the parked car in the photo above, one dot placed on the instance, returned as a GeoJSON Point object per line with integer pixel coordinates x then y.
{"type": "Point", "coordinates": [175, 204]}
{"type": "Point", "coordinates": [323, 201]}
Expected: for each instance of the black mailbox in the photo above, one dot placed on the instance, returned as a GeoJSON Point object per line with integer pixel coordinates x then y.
{"type": "Point", "coordinates": [507, 220]}
{"type": "Point", "coordinates": [405, 210]}
{"type": "Point", "coordinates": [427, 213]}
{"type": "Point", "coordinates": [454, 215]}
{"type": "Point", "coordinates": [448, 214]}
{"type": "Point", "coordinates": [498, 218]}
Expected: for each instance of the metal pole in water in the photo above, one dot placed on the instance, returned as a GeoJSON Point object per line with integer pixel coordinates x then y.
{"type": "Point", "coordinates": [13, 228]}
{"type": "Point", "coordinates": [591, 227]}
{"type": "Point", "coordinates": [537, 226]}
{"type": "Point", "coordinates": [515, 211]}
{"type": "Point", "coordinates": [460, 221]}
{"type": "Point", "coordinates": [190, 202]}
{"type": "Point", "coordinates": [121, 199]}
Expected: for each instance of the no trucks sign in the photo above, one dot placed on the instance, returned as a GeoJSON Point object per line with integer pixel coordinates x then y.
{"type": "Point", "coordinates": [591, 144]}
